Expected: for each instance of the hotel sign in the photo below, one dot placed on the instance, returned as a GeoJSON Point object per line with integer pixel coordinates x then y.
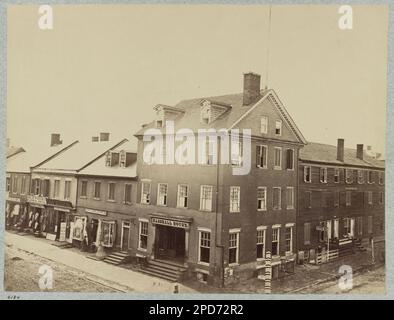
{"type": "Point", "coordinates": [36, 200]}
{"type": "Point", "coordinates": [171, 223]}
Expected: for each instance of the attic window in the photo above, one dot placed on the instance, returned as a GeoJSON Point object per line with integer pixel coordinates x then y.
{"type": "Point", "coordinates": [112, 159]}
{"type": "Point", "coordinates": [108, 159]}
{"type": "Point", "coordinates": [205, 114]}
{"type": "Point", "coordinates": [278, 127]}
{"type": "Point", "coordinates": [122, 159]}
{"type": "Point", "coordinates": [159, 118]}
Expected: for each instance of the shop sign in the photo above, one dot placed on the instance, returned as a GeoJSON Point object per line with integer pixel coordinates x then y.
{"type": "Point", "coordinates": [99, 212]}
{"type": "Point", "coordinates": [170, 223]}
{"type": "Point", "coordinates": [14, 199]}
{"type": "Point", "coordinates": [37, 200]}
{"type": "Point", "coordinates": [62, 236]}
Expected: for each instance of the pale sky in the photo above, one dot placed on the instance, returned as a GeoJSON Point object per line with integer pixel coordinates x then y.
{"type": "Point", "coordinates": [104, 68]}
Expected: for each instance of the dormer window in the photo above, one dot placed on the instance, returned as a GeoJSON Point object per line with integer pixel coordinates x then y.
{"type": "Point", "coordinates": [278, 127]}
{"type": "Point", "coordinates": [159, 118]}
{"type": "Point", "coordinates": [112, 159]}
{"type": "Point", "coordinates": [122, 159]}
{"type": "Point", "coordinates": [205, 114]}
{"type": "Point", "coordinates": [108, 159]}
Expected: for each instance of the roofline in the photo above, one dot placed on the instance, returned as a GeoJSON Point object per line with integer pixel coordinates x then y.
{"type": "Point", "coordinates": [290, 119]}
{"type": "Point", "coordinates": [81, 175]}
{"type": "Point", "coordinates": [17, 151]}
{"type": "Point", "coordinates": [340, 164]}
{"type": "Point", "coordinates": [54, 155]}
{"type": "Point", "coordinates": [101, 155]}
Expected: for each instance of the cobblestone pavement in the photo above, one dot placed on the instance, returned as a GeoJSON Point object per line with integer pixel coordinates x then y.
{"type": "Point", "coordinates": [21, 274]}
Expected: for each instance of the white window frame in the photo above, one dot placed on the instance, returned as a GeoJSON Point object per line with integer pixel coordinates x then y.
{"type": "Point", "coordinates": [67, 182]}
{"type": "Point", "coordinates": [278, 125]}
{"type": "Point", "coordinates": [264, 124]}
{"type": "Point", "coordinates": [278, 167]}
{"type": "Point", "coordinates": [280, 198]}
{"type": "Point", "coordinates": [236, 157]}
{"type": "Point", "coordinates": [337, 174]}
{"type": "Point", "coordinates": [23, 185]}
{"type": "Point", "coordinates": [204, 200]}
{"type": "Point", "coordinates": [200, 231]}
{"type": "Point", "coordinates": [277, 240]}
{"type": "Point", "coordinates": [291, 205]}
{"type": "Point", "coordinates": [237, 204]}
{"type": "Point", "coordinates": [109, 191]}
{"type": "Point", "coordinates": [141, 222]}
{"type": "Point", "coordinates": [265, 199]}
{"type": "Point", "coordinates": [293, 160]}
{"type": "Point", "coordinates": [56, 191]}
{"type": "Point", "coordinates": [162, 199]}
{"type": "Point", "coordinates": [261, 147]}
{"type": "Point", "coordinates": [370, 177]}
{"type": "Point", "coordinates": [370, 197]}
{"type": "Point", "coordinates": [262, 229]}
{"type": "Point", "coordinates": [237, 233]}
{"type": "Point", "coordinates": [179, 198]}
{"type": "Point", "coordinates": [381, 177]}
{"type": "Point", "coordinates": [147, 199]}
{"type": "Point", "coordinates": [360, 176]}
{"type": "Point", "coordinates": [291, 239]}
{"type": "Point", "coordinates": [348, 198]}
{"type": "Point", "coordinates": [125, 193]}
{"type": "Point", "coordinates": [306, 168]}
{"type": "Point", "coordinates": [323, 174]}
{"type": "Point", "coordinates": [14, 185]}
{"type": "Point", "coordinates": [381, 197]}
{"type": "Point", "coordinates": [349, 178]}
{"type": "Point", "coordinates": [82, 183]}
{"type": "Point", "coordinates": [94, 190]}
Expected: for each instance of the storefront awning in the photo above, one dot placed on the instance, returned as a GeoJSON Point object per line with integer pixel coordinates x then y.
{"type": "Point", "coordinates": [60, 204]}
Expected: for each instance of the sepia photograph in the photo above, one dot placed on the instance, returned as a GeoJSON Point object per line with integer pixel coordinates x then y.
{"type": "Point", "coordinates": [185, 149]}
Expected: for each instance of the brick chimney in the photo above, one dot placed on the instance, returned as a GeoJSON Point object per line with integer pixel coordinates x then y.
{"type": "Point", "coordinates": [251, 88]}
{"type": "Point", "coordinates": [55, 139]}
{"type": "Point", "coordinates": [360, 151]}
{"type": "Point", "coordinates": [95, 139]}
{"type": "Point", "coordinates": [341, 150]}
{"type": "Point", "coordinates": [104, 136]}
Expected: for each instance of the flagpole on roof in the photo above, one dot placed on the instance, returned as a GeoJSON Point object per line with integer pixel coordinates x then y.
{"type": "Point", "coordinates": [268, 46]}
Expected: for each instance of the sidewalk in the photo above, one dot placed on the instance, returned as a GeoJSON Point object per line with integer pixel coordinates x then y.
{"type": "Point", "coordinates": [305, 276]}
{"type": "Point", "coordinates": [121, 278]}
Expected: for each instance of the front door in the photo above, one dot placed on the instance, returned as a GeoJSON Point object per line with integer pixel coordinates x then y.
{"type": "Point", "coordinates": [170, 243]}
{"type": "Point", "coordinates": [125, 236]}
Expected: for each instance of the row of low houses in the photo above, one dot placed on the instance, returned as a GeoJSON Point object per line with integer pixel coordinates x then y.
{"type": "Point", "coordinates": [299, 200]}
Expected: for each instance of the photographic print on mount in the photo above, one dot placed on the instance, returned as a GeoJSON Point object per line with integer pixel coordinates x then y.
{"type": "Point", "coordinates": [192, 149]}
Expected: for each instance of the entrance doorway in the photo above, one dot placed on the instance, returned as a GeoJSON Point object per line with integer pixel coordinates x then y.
{"type": "Point", "coordinates": [170, 243]}
{"type": "Point", "coordinates": [125, 236]}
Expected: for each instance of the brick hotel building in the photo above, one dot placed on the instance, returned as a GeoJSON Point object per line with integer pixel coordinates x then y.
{"type": "Point", "coordinates": [201, 221]}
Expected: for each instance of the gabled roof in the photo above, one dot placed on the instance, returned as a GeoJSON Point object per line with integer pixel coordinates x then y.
{"type": "Point", "coordinates": [11, 151]}
{"type": "Point", "coordinates": [98, 167]}
{"type": "Point", "coordinates": [32, 157]}
{"type": "Point", "coordinates": [325, 153]}
{"type": "Point", "coordinates": [235, 113]}
{"type": "Point", "coordinates": [78, 156]}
